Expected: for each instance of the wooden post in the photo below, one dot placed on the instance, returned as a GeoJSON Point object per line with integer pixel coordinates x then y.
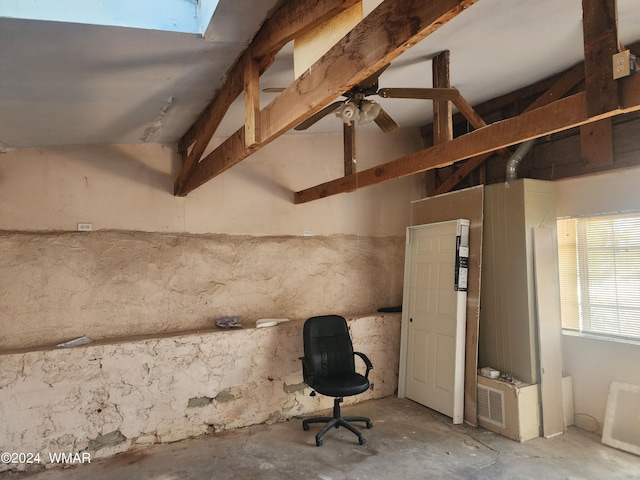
{"type": "Point", "coordinates": [596, 143]}
{"type": "Point", "coordinates": [442, 109]}
{"type": "Point", "coordinates": [349, 136]}
{"type": "Point", "coordinates": [251, 100]}
{"type": "Point", "coordinates": [600, 28]}
{"type": "Point", "coordinates": [442, 113]}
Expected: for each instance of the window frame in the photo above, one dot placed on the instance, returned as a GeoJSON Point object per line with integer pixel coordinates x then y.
{"type": "Point", "coordinates": [577, 289]}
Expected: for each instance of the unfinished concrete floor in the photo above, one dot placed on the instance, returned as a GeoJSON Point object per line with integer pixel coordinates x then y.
{"type": "Point", "coordinates": [407, 441]}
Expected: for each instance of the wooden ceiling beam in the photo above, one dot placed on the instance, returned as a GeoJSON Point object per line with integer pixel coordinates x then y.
{"type": "Point", "coordinates": [518, 99]}
{"type": "Point", "coordinates": [557, 116]}
{"type": "Point", "coordinates": [567, 81]}
{"type": "Point", "coordinates": [293, 19]}
{"type": "Point", "coordinates": [600, 27]}
{"type": "Point", "coordinates": [600, 43]}
{"type": "Point", "coordinates": [383, 35]}
{"type": "Point", "coordinates": [474, 119]}
{"type": "Point", "coordinates": [490, 109]}
{"type": "Point", "coordinates": [389, 30]}
{"type": "Point", "coordinates": [563, 85]}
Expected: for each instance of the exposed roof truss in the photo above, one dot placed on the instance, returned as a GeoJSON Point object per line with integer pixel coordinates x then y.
{"type": "Point", "coordinates": [602, 98]}
{"type": "Point", "coordinates": [388, 31]}
{"type": "Point", "coordinates": [381, 37]}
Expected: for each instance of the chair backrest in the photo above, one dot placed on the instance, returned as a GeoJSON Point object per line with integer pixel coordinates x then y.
{"type": "Point", "coordinates": [327, 345]}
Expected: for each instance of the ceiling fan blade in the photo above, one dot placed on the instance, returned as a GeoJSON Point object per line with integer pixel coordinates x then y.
{"type": "Point", "coordinates": [318, 116]}
{"type": "Point", "coordinates": [420, 93]}
{"type": "Point", "coordinates": [274, 89]}
{"type": "Point", "coordinates": [385, 122]}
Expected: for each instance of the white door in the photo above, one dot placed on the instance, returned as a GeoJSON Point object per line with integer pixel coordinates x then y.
{"type": "Point", "coordinates": [434, 316]}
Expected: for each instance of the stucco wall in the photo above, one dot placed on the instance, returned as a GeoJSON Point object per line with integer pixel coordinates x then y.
{"type": "Point", "coordinates": [595, 363]}
{"type": "Point", "coordinates": [156, 263]}
{"type": "Point", "coordinates": [234, 246]}
{"type": "Point", "coordinates": [160, 264]}
{"type": "Point", "coordinates": [105, 399]}
{"type": "Point", "coordinates": [56, 286]}
{"type": "Point", "coordinates": [130, 187]}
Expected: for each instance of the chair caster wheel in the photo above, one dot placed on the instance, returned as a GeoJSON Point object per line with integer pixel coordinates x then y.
{"type": "Point", "coordinates": [369, 425]}
{"type": "Point", "coordinates": [362, 441]}
{"type": "Point", "coordinates": [305, 427]}
{"type": "Point", "coordinates": [319, 443]}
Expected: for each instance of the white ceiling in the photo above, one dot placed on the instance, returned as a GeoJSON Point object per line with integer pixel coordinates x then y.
{"type": "Point", "coordinates": [71, 84]}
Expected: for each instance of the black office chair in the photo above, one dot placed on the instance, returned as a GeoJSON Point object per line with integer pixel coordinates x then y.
{"type": "Point", "coordinates": [328, 367]}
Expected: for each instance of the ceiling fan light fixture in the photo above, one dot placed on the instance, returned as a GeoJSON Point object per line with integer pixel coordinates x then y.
{"type": "Point", "coordinates": [361, 114]}
{"type": "Point", "coordinates": [369, 110]}
{"type": "Point", "coordinates": [348, 112]}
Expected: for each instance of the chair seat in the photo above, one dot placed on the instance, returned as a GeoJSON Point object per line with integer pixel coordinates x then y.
{"type": "Point", "coordinates": [343, 385]}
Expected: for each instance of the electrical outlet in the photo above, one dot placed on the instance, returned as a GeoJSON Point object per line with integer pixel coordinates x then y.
{"type": "Point", "coordinates": [85, 227]}
{"type": "Point", "coordinates": [624, 64]}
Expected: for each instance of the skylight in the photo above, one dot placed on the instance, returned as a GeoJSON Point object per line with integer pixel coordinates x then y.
{"type": "Point", "coordinates": [187, 16]}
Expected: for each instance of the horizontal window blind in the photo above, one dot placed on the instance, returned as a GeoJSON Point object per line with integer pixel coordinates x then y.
{"type": "Point", "coordinates": [600, 274]}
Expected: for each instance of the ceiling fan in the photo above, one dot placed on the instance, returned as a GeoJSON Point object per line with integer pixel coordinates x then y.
{"type": "Point", "coordinates": [357, 109]}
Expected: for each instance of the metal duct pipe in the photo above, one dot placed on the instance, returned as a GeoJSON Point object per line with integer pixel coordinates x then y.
{"type": "Point", "coordinates": [512, 164]}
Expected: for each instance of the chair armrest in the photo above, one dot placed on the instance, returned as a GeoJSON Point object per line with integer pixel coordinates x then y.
{"type": "Point", "coordinates": [367, 362]}
{"type": "Point", "coordinates": [308, 369]}
{"type": "Point", "coordinates": [307, 365]}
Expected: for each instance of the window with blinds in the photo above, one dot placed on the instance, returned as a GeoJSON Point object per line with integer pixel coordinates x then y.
{"type": "Point", "coordinates": [600, 274]}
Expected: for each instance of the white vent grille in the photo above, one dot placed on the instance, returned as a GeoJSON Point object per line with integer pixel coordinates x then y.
{"type": "Point", "coordinates": [491, 405]}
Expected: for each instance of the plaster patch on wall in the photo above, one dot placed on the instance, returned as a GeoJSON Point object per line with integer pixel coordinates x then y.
{"type": "Point", "coordinates": [298, 387]}
{"type": "Point", "coordinates": [58, 286]}
{"type": "Point", "coordinates": [225, 396]}
{"type": "Point", "coordinates": [199, 402]}
{"type": "Point", "coordinates": [107, 440]}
